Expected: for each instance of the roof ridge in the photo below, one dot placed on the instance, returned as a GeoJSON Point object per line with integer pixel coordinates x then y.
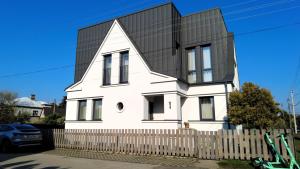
{"type": "Point", "coordinates": [118, 17]}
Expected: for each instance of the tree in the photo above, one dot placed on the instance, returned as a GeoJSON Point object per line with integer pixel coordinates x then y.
{"type": "Point", "coordinates": [54, 119]}
{"type": "Point", "coordinates": [254, 107]}
{"type": "Point", "coordinates": [7, 102]}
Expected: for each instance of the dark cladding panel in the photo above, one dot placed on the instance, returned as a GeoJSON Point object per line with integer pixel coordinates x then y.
{"type": "Point", "coordinates": [89, 40]}
{"type": "Point", "coordinates": [206, 28]}
{"type": "Point", "coordinates": [231, 60]}
{"type": "Point", "coordinates": [161, 35]}
{"type": "Point", "coordinates": [156, 39]}
{"type": "Point", "coordinates": [176, 41]}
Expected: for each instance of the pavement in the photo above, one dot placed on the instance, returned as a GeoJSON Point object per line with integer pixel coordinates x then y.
{"type": "Point", "coordinates": [79, 159]}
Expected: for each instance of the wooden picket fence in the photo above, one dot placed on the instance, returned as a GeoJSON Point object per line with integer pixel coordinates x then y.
{"type": "Point", "coordinates": [222, 144]}
{"type": "Point", "coordinates": [249, 144]}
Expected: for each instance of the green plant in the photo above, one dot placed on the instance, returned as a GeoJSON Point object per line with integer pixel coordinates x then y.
{"type": "Point", "coordinates": [255, 107]}
{"type": "Point", "coordinates": [54, 119]}
{"type": "Point", "coordinates": [7, 102]}
{"type": "Point", "coordinates": [23, 117]}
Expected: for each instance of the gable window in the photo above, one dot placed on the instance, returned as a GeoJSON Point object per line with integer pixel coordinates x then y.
{"type": "Point", "coordinates": [97, 109]}
{"type": "Point", "coordinates": [124, 67]}
{"type": "Point", "coordinates": [82, 110]}
{"type": "Point", "coordinates": [207, 69]}
{"type": "Point", "coordinates": [107, 70]}
{"type": "Point", "coordinates": [191, 65]}
{"type": "Point", "coordinates": [207, 108]}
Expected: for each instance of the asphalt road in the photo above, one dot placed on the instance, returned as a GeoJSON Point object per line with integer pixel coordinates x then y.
{"type": "Point", "coordinates": [46, 161]}
{"type": "Point", "coordinates": [50, 161]}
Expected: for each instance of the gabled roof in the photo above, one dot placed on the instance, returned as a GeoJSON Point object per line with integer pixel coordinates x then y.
{"type": "Point", "coordinates": [28, 102]}
{"type": "Point", "coordinates": [161, 34]}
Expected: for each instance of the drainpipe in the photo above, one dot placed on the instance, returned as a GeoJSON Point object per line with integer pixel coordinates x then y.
{"type": "Point", "coordinates": [227, 103]}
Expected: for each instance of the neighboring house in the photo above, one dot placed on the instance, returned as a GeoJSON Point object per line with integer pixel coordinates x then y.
{"type": "Point", "coordinates": [29, 105]}
{"type": "Point", "coordinates": [153, 69]}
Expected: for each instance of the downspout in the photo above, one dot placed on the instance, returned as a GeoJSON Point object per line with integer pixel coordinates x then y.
{"type": "Point", "coordinates": [227, 103]}
{"type": "Point", "coordinates": [226, 89]}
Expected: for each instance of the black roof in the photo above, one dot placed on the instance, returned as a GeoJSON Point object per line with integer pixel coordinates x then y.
{"type": "Point", "coordinates": [161, 34]}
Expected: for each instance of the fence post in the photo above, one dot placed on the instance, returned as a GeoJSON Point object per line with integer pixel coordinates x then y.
{"type": "Point", "coordinates": [220, 144]}
{"type": "Point", "coordinates": [196, 151]}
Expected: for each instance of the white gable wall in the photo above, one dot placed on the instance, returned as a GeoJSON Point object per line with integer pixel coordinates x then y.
{"type": "Point", "coordinates": [90, 87]}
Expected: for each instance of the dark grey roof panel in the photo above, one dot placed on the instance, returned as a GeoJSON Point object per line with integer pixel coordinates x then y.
{"type": "Point", "coordinates": [206, 28]}
{"type": "Point", "coordinates": [152, 38]}
{"type": "Point", "coordinates": [161, 35]}
{"type": "Point", "coordinates": [88, 42]}
{"type": "Point", "coordinates": [231, 60]}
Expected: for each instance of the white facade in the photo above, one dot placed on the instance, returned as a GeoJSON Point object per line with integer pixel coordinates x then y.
{"type": "Point", "coordinates": [175, 102]}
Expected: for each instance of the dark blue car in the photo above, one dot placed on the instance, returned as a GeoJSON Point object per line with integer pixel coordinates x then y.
{"type": "Point", "coordinates": [18, 135]}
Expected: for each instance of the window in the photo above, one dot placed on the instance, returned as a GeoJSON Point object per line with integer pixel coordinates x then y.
{"type": "Point", "coordinates": [207, 108]}
{"type": "Point", "coordinates": [207, 70]}
{"type": "Point", "coordinates": [82, 110]}
{"type": "Point", "coordinates": [5, 128]}
{"type": "Point", "coordinates": [107, 70]}
{"type": "Point", "coordinates": [97, 109]}
{"type": "Point", "coordinates": [25, 127]}
{"type": "Point", "coordinates": [120, 106]}
{"type": "Point", "coordinates": [124, 67]}
{"type": "Point", "coordinates": [191, 65]}
{"type": "Point", "coordinates": [35, 113]}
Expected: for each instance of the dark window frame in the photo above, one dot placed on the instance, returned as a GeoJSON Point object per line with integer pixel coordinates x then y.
{"type": "Point", "coordinates": [78, 111]}
{"type": "Point", "coordinates": [93, 113]}
{"type": "Point", "coordinates": [121, 78]}
{"type": "Point", "coordinates": [213, 109]}
{"type": "Point", "coordinates": [104, 82]}
{"type": "Point", "coordinates": [35, 113]}
{"type": "Point", "coordinates": [191, 71]}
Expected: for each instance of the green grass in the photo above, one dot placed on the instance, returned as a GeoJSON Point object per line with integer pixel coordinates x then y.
{"type": "Point", "coordinates": [235, 164]}
{"type": "Point", "coordinates": [238, 164]}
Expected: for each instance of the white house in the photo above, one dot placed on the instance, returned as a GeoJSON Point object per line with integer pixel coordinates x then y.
{"type": "Point", "coordinates": [30, 106]}
{"type": "Point", "coordinates": [153, 69]}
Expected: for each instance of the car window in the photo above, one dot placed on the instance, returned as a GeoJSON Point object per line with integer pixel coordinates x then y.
{"type": "Point", "coordinates": [5, 128]}
{"type": "Point", "coordinates": [24, 127]}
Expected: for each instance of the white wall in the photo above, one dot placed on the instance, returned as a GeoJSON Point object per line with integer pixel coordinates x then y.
{"type": "Point", "coordinates": [191, 109]}
{"type": "Point", "coordinates": [25, 110]}
{"type": "Point", "coordinates": [131, 94]}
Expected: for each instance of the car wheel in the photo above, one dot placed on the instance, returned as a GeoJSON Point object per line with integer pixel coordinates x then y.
{"type": "Point", "coordinates": [6, 146]}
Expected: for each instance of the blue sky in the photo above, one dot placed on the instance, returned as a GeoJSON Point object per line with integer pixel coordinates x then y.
{"type": "Point", "coordinates": [38, 35]}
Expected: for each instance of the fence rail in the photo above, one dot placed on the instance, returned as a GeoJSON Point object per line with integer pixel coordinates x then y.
{"type": "Point", "coordinates": [222, 144]}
